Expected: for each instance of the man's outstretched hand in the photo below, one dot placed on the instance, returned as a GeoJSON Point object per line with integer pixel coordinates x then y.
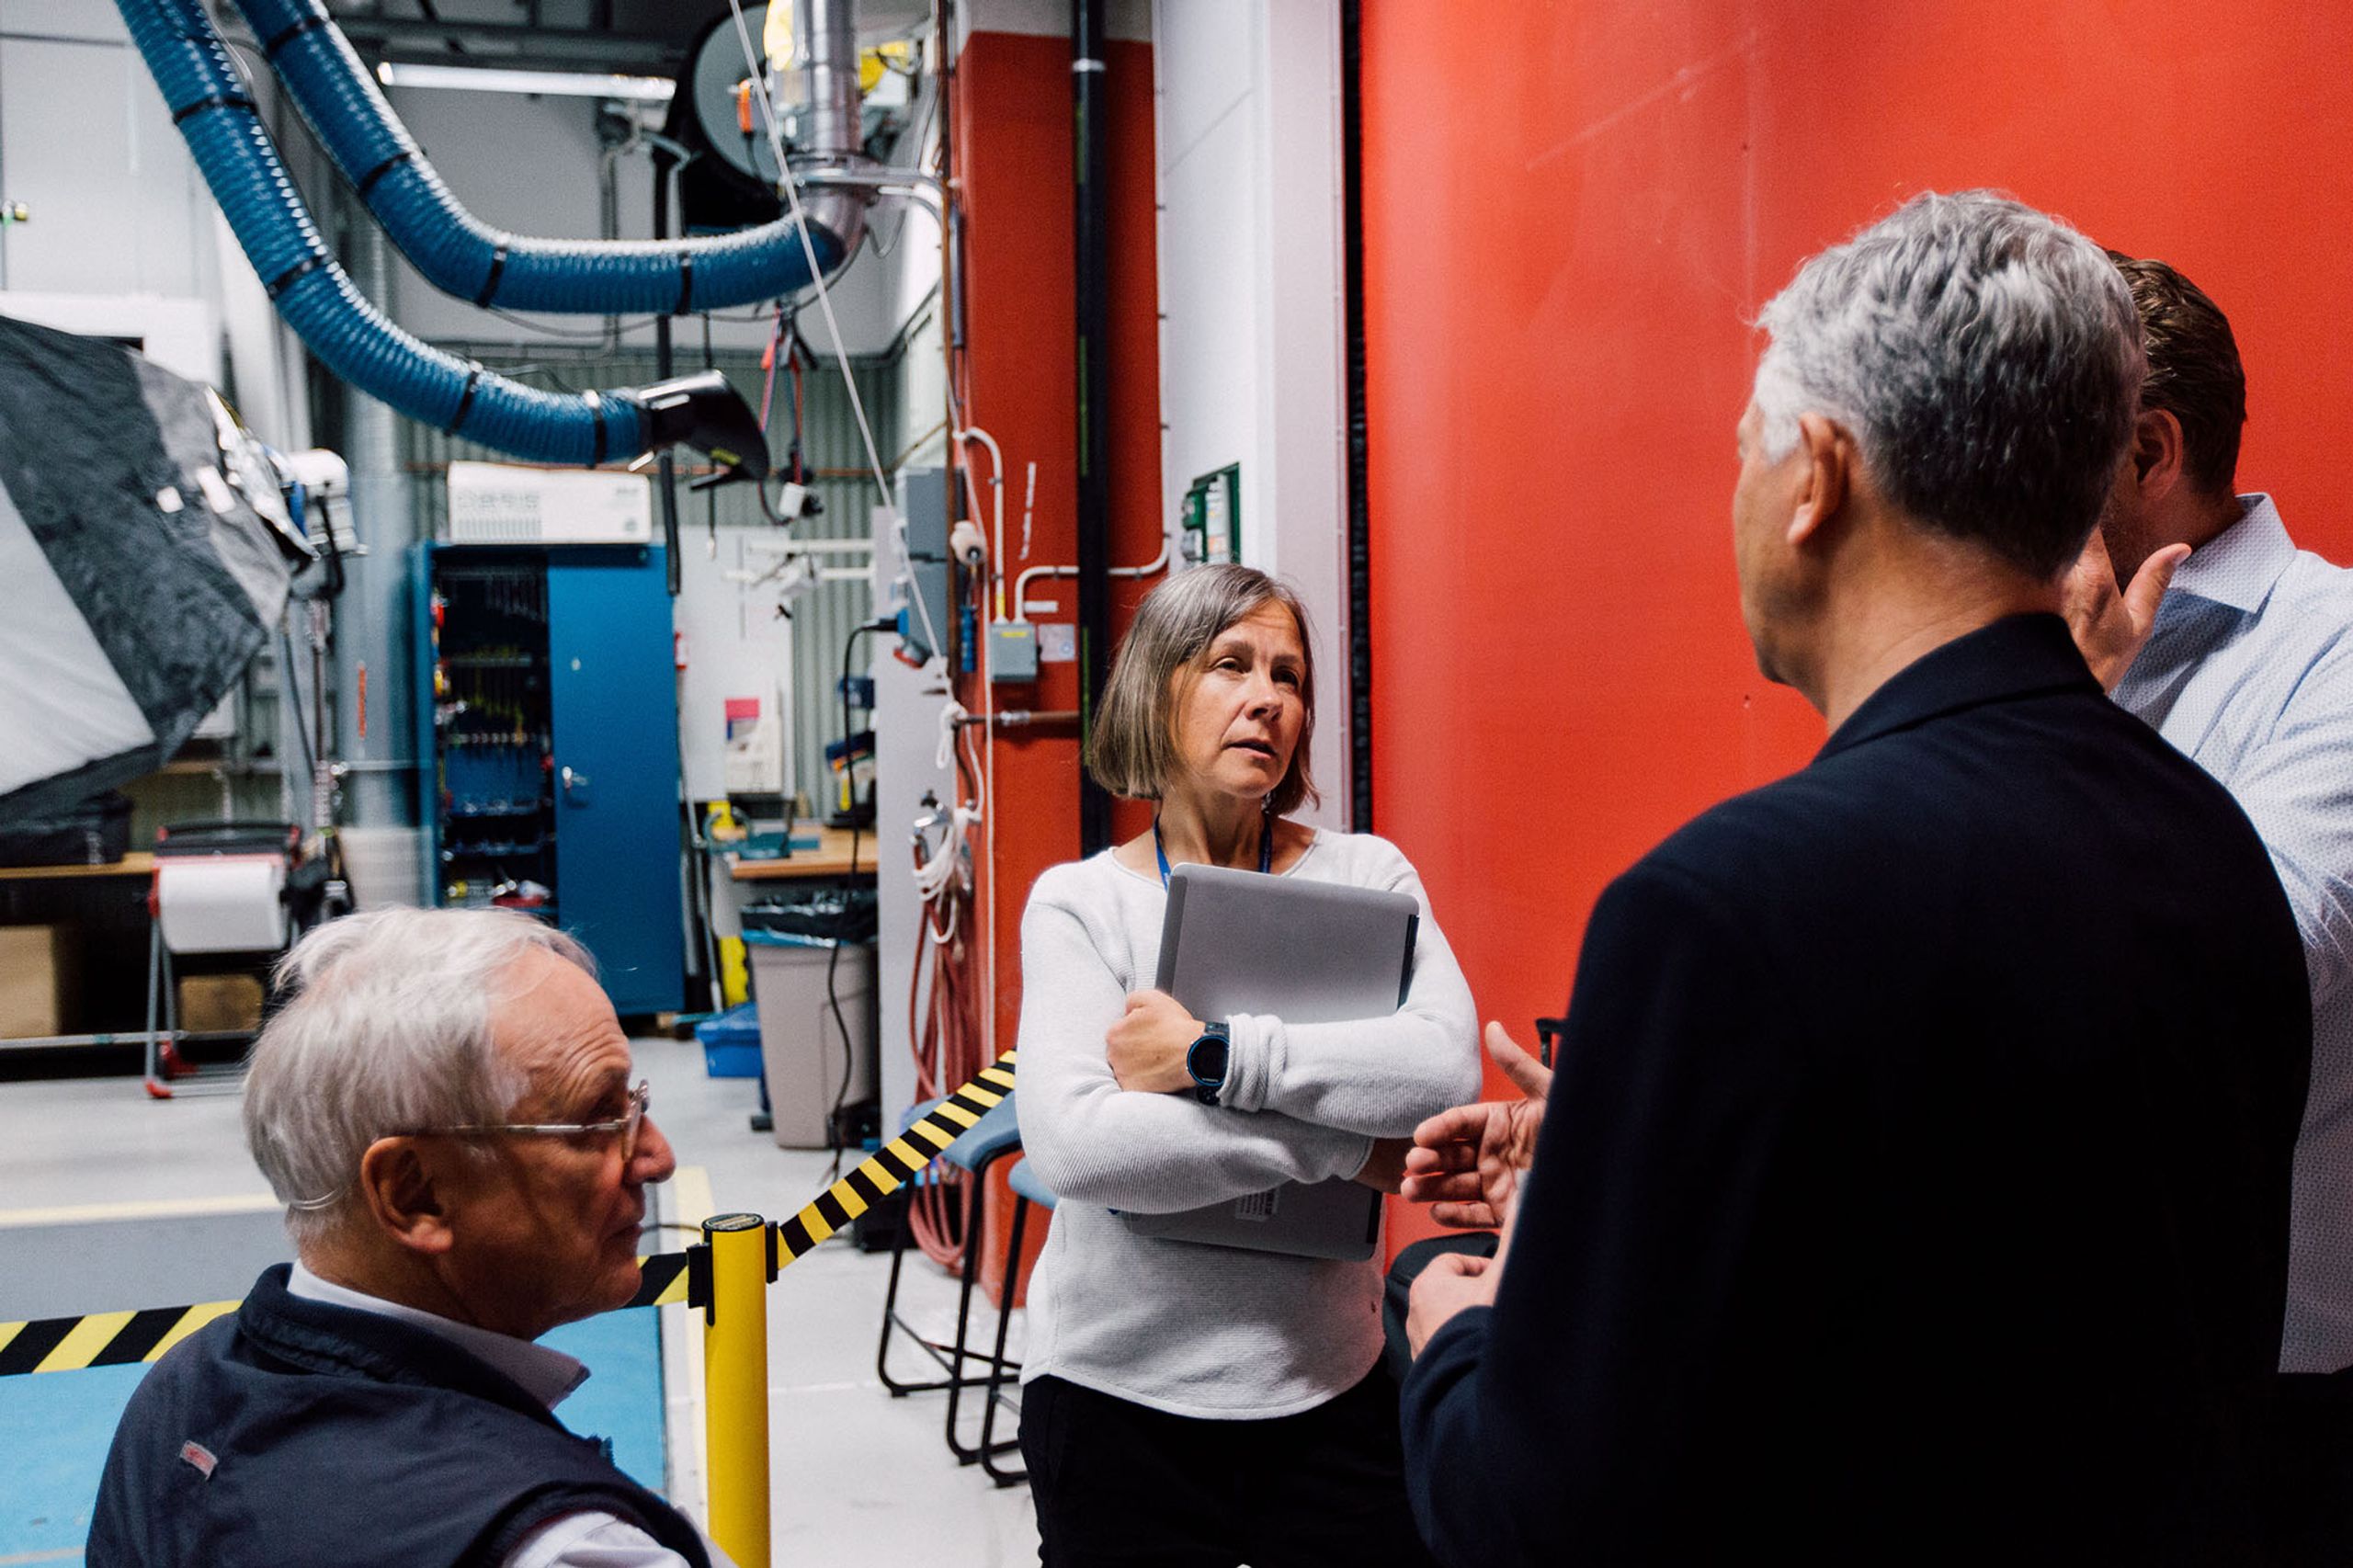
{"type": "Point", "coordinates": [1465, 1163]}
{"type": "Point", "coordinates": [2110, 624]}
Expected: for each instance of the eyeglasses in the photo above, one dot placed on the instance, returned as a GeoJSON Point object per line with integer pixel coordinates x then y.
{"type": "Point", "coordinates": [627, 1125]}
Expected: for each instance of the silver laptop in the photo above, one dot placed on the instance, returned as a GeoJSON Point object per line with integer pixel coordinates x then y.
{"type": "Point", "coordinates": [1308, 953]}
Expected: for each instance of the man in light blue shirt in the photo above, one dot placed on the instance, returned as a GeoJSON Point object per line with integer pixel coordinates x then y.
{"type": "Point", "coordinates": [2248, 667]}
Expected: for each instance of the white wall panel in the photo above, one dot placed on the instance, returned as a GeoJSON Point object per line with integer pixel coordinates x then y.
{"type": "Point", "coordinates": [1250, 287]}
{"type": "Point", "coordinates": [86, 145]}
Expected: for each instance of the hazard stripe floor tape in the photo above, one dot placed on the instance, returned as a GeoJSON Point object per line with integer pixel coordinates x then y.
{"type": "Point", "coordinates": [123, 1339]}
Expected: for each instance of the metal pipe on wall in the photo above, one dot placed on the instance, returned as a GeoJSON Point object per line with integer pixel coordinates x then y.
{"type": "Point", "coordinates": [1091, 207]}
{"type": "Point", "coordinates": [666, 484]}
{"type": "Point", "coordinates": [374, 681]}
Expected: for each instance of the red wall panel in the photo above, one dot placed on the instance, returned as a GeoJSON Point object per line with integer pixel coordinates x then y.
{"type": "Point", "coordinates": [1014, 165]}
{"type": "Point", "coordinates": [1571, 212]}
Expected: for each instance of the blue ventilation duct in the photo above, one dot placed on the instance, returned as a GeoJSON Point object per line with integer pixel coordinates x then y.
{"type": "Point", "coordinates": [462, 256]}
{"type": "Point", "coordinates": [354, 340]}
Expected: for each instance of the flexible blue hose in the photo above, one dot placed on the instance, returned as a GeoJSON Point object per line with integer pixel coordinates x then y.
{"type": "Point", "coordinates": [355, 341]}
{"type": "Point", "coordinates": [462, 255]}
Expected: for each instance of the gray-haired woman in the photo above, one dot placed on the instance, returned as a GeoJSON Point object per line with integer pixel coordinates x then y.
{"type": "Point", "coordinates": [1188, 1405]}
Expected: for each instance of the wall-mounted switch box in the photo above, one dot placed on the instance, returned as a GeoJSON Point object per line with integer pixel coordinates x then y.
{"type": "Point", "coordinates": [1013, 652]}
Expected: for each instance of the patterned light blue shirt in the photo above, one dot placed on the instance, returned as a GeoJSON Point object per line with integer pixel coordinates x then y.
{"type": "Point", "coordinates": [2250, 672]}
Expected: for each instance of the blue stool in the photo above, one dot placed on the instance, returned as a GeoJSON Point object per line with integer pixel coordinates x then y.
{"type": "Point", "coordinates": [987, 1140]}
{"type": "Point", "coordinates": [1027, 1189]}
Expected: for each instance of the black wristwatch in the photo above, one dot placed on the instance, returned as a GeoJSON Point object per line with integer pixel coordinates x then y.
{"type": "Point", "coordinates": [1205, 1059]}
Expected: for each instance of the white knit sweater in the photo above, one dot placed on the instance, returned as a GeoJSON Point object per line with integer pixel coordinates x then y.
{"type": "Point", "coordinates": [1200, 1330]}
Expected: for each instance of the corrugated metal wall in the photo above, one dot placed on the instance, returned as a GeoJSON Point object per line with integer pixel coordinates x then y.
{"type": "Point", "coordinates": [822, 620]}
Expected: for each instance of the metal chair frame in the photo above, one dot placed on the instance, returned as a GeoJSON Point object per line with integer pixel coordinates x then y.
{"type": "Point", "coordinates": [953, 1358]}
{"type": "Point", "coordinates": [991, 1446]}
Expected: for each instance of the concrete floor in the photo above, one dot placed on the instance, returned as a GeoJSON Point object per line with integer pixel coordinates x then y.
{"type": "Point", "coordinates": [858, 1476]}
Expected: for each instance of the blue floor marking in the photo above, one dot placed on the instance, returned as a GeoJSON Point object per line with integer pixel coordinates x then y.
{"type": "Point", "coordinates": [55, 1427]}
{"type": "Point", "coordinates": [623, 1401]}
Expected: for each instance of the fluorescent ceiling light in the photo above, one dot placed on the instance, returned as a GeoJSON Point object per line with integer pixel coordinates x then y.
{"type": "Point", "coordinates": [559, 84]}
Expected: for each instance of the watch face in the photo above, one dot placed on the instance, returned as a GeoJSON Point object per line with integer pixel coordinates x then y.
{"type": "Point", "coordinates": [1205, 1060]}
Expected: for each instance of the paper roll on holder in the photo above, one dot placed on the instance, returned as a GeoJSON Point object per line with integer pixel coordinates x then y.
{"type": "Point", "coordinates": [219, 890]}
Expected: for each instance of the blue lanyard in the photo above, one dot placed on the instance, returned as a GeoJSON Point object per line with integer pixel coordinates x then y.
{"type": "Point", "coordinates": [1266, 847]}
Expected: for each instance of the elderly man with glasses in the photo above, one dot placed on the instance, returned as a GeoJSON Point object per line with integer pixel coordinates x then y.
{"type": "Point", "coordinates": [446, 1107]}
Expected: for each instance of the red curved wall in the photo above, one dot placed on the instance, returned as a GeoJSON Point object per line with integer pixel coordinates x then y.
{"type": "Point", "coordinates": [1570, 213]}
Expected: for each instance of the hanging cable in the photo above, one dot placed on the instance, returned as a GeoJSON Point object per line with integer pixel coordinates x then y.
{"type": "Point", "coordinates": [755, 64]}
{"type": "Point", "coordinates": [947, 1048]}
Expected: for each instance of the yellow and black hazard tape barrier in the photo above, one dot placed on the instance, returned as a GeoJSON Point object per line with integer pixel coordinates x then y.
{"type": "Point", "coordinates": [670, 1279]}
{"type": "Point", "coordinates": [896, 1163]}
{"type": "Point", "coordinates": [100, 1339]}
{"type": "Point", "coordinates": [663, 1278]}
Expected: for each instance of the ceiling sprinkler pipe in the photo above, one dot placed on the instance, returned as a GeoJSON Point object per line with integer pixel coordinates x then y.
{"type": "Point", "coordinates": [462, 255]}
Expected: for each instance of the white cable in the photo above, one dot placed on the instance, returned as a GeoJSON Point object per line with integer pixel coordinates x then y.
{"type": "Point", "coordinates": [755, 62]}
{"type": "Point", "coordinates": [943, 756]}
{"type": "Point", "coordinates": [939, 869]}
{"type": "Point", "coordinates": [996, 485]}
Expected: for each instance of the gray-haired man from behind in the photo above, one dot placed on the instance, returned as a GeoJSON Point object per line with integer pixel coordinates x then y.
{"type": "Point", "coordinates": [1912, 1185]}
{"type": "Point", "coordinates": [446, 1107]}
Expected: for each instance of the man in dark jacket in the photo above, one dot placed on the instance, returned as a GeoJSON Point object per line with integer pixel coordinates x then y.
{"type": "Point", "coordinates": [445, 1108]}
{"type": "Point", "coordinates": [1913, 1186]}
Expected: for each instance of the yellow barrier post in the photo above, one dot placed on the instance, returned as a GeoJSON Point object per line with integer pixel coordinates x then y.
{"type": "Point", "coordinates": [736, 1383]}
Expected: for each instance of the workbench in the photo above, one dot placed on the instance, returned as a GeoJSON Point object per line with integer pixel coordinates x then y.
{"type": "Point", "coordinates": [830, 859]}
{"type": "Point", "coordinates": [139, 863]}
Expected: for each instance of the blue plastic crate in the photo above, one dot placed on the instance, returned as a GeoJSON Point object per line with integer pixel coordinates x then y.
{"type": "Point", "coordinates": [730, 1042]}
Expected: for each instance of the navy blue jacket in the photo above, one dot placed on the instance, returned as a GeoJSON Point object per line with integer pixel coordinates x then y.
{"type": "Point", "coordinates": [331, 1436]}
{"type": "Point", "coordinates": [1915, 1185]}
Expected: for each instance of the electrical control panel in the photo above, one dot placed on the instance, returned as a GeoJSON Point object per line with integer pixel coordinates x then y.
{"type": "Point", "coordinates": [1211, 517]}
{"type": "Point", "coordinates": [927, 619]}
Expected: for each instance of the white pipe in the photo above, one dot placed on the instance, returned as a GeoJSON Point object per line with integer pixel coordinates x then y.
{"type": "Point", "coordinates": [809, 546]}
{"type": "Point", "coordinates": [1021, 584]}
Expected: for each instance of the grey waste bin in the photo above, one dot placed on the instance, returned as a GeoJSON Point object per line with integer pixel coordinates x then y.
{"type": "Point", "coordinates": [801, 1044]}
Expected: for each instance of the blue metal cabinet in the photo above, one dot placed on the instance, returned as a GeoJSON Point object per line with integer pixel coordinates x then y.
{"type": "Point", "coordinates": [612, 677]}
{"type": "Point", "coordinates": [549, 739]}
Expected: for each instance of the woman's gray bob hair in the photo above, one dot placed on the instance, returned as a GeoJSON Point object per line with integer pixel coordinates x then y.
{"type": "Point", "coordinates": [1132, 751]}
{"type": "Point", "coordinates": [388, 1029]}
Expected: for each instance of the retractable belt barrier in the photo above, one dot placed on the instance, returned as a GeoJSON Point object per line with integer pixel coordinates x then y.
{"type": "Point", "coordinates": [726, 1276]}
{"type": "Point", "coordinates": [120, 1340]}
